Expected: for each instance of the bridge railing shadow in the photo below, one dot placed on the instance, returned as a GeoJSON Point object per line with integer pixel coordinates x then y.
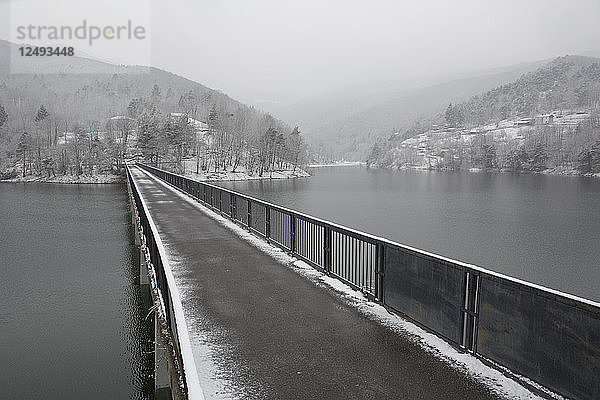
{"type": "Point", "coordinates": [550, 337]}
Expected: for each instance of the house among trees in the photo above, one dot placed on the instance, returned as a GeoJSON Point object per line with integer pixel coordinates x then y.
{"type": "Point", "coordinates": [544, 119]}
{"type": "Point", "coordinates": [525, 122]}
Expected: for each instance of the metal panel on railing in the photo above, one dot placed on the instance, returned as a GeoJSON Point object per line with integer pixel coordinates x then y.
{"type": "Point", "coordinates": [426, 290]}
{"type": "Point", "coordinates": [258, 220]}
{"type": "Point", "coordinates": [241, 205]}
{"type": "Point", "coordinates": [552, 340]}
{"type": "Point", "coordinates": [225, 203]}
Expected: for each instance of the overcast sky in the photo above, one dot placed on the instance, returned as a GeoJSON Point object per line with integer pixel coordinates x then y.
{"type": "Point", "coordinates": [295, 49]}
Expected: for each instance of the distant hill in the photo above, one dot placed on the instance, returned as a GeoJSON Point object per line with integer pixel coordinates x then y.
{"type": "Point", "coordinates": [348, 121]}
{"type": "Point", "coordinates": [90, 90]}
{"type": "Point", "coordinates": [547, 120]}
{"type": "Point", "coordinates": [566, 83]}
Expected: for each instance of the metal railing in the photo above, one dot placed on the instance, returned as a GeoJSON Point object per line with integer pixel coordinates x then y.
{"type": "Point", "coordinates": [534, 331]}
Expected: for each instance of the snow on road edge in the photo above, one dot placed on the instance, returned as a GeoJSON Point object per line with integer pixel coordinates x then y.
{"type": "Point", "coordinates": [194, 389]}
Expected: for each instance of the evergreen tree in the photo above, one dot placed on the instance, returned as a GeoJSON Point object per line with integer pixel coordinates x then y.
{"type": "Point", "coordinates": [375, 154]}
{"type": "Point", "coordinates": [588, 161]}
{"type": "Point", "coordinates": [22, 149]}
{"type": "Point", "coordinates": [449, 114]}
{"type": "Point", "coordinates": [3, 116]}
{"type": "Point", "coordinates": [489, 156]}
{"type": "Point", "coordinates": [516, 158]}
{"type": "Point", "coordinates": [213, 119]}
{"type": "Point", "coordinates": [155, 94]}
{"type": "Point", "coordinates": [455, 115]}
{"type": "Point", "coordinates": [538, 158]}
{"type": "Point", "coordinates": [136, 107]}
{"type": "Point", "coordinates": [41, 115]}
{"type": "Point", "coordinates": [148, 135]}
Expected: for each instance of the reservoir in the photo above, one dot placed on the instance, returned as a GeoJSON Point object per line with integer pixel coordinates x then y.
{"type": "Point", "coordinates": [539, 228]}
{"type": "Point", "coordinates": [72, 315]}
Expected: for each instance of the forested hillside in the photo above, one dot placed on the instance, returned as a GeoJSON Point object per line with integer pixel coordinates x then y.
{"type": "Point", "coordinates": [78, 123]}
{"type": "Point", "coordinates": [547, 120]}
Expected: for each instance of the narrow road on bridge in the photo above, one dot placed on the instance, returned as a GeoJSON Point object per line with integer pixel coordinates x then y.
{"type": "Point", "coordinates": [274, 334]}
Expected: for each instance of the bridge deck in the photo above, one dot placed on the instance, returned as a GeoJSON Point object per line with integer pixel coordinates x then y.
{"type": "Point", "coordinates": [272, 333]}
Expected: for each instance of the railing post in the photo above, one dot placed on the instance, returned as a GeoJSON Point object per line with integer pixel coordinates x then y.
{"type": "Point", "coordinates": [470, 310]}
{"type": "Point", "coordinates": [232, 210]}
{"type": "Point", "coordinates": [292, 233]}
{"type": "Point", "coordinates": [267, 222]}
{"type": "Point", "coordinates": [220, 201]}
{"type": "Point", "coordinates": [249, 213]}
{"type": "Point", "coordinates": [379, 271]}
{"type": "Point", "coordinates": [327, 249]}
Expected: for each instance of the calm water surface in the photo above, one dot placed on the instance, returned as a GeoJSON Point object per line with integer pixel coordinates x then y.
{"type": "Point", "coordinates": [72, 319]}
{"type": "Point", "coordinates": [544, 229]}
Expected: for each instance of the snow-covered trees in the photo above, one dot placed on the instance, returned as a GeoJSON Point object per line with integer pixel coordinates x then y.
{"type": "Point", "coordinates": [41, 115]}
{"type": "Point", "coordinates": [164, 119]}
{"type": "Point", "coordinates": [455, 115]}
{"type": "Point", "coordinates": [148, 132]}
{"type": "Point", "coordinates": [3, 116]}
{"type": "Point", "coordinates": [588, 161]}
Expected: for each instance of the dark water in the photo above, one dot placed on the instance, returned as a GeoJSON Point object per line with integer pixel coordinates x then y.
{"type": "Point", "coordinates": [544, 229]}
{"type": "Point", "coordinates": [72, 319]}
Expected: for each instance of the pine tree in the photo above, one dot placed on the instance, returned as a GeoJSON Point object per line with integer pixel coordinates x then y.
{"type": "Point", "coordinates": [455, 115]}
{"type": "Point", "coordinates": [22, 148]}
{"type": "Point", "coordinates": [148, 135]}
{"type": "Point", "coordinates": [136, 107]}
{"type": "Point", "coordinates": [489, 156]}
{"type": "Point", "coordinates": [539, 157]}
{"type": "Point", "coordinates": [588, 161]}
{"type": "Point", "coordinates": [41, 115]}
{"type": "Point", "coordinates": [3, 116]}
{"type": "Point", "coordinates": [449, 114]}
{"type": "Point", "coordinates": [375, 154]}
{"type": "Point", "coordinates": [155, 94]}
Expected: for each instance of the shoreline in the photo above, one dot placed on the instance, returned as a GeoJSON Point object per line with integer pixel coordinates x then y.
{"type": "Point", "coordinates": [549, 171]}
{"type": "Point", "coordinates": [220, 176]}
{"type": "Point", "coordinates": [338, 164]}
{"type": "Point", "coordinates": [241, 175]}
{"type": "Point", "coordinates": [70, 180]}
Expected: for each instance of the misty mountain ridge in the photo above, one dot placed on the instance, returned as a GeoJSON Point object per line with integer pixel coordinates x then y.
{"type": "Point", "coordinates": [344, 123]}
{"type": "Point", "coordinates": [92, 89]}
{"type": "Point", "coordinates": [547, 120]}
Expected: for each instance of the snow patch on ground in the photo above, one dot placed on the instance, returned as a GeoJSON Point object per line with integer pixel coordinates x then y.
{"type": "Point", "coordinates": [464, 362]}
{"type": "Point", "coordinates": [215, 384]}
{"type": "Point", "coordinates": [72, 179]}
{"type": "Point", "coordinates": [240, 174]}
{"type": "Point", "coordinates": [339, 164]}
